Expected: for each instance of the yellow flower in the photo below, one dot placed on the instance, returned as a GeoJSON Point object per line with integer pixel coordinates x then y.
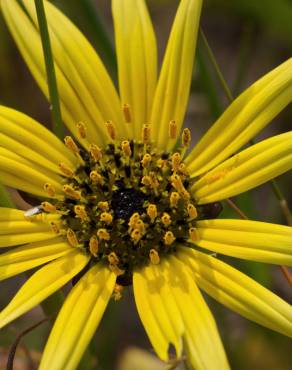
{"type": "Point", "coordinates": [103, 189]}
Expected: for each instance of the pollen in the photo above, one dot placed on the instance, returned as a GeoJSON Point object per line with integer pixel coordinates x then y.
{"type": "Point", "coordinates": [128, 204]}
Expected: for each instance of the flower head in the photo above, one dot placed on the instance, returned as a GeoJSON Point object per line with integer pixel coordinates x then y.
{"type": "Point", "coordinates": [121, 201]}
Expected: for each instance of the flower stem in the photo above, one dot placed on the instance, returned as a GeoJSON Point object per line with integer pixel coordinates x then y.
{"type": "Point", "coordinates": [276, 189]}
{"type": "Point", "coordinates": [50, 69]}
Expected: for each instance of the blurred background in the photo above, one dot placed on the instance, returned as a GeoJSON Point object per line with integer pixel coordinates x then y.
{"type": "Point", "coordinates": [248, 38]}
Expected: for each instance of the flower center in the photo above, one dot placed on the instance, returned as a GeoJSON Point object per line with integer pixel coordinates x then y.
{"type": "Point", "coordinates": [128, 204]}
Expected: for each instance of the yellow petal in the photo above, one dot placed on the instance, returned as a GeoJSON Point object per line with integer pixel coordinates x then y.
{"type": "Point", "coordinates": [203, 344]}
{"type": "Point", "coordinates": [246, 170]}
{"type": "Point", "coordinates": [24, 238]}
{"type": "Point", "coordinates": [78, 320]}
{"type": "Point", "coordinates": [22, 184]}
{"type": "Point", "coordinates": [28, 174]}
{"type": "Point", "coordinates": [46, 148]}
{"type": "Point", "coordinates": [238, 292]}
{"type": "Point", "coordinates": [86, 92]}
{"type": "Point", "coordinates": [10, 214]}
{"type": "Point", "coordinates": [42, 284]}
{"type": "Point", "coordinates": [172, 92]}
{"type": "Point", "coordinates": [157, 310]}
{"type": "Point", "coordinates": [32, 255]}
{"type": "Point", "coordinates": [10, 154]}
{"type": "Point", "coordinates": [243, 119]}
{"type": "Point", "coordinates": [252, 240]}
{"type": "Point", "coordinates": [137, 59]}
{"type": "Point", "coordinates": [158, 338]}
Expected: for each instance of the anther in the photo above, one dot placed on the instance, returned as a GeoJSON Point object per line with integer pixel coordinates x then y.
{"type": "Point", "coordinates": [49, 189]}
{"type": "Point", "coordinates": [146, 160]}
{"type": "Point", "coordinates": [146, 133]}
{"type": "Point", "coordinates": [81, 129]}
{"type": "Point", "coordinates": [186, 138]}
{"type": "Point", "coordinates": [140, 226]}
{"type": "Point", "coordinates": [116, 270]}
{"type": "Point", "coordinates": [146, 180]}
{"type": "Point", "coordinates": [185, 194]}
{"type": "Point", "coordinates": [126, 148]}
{"type": "Point", "coordinates": [71, 192]}
{"type": "Point", "coordinates": [106, 217]}
{"type": "Point", "coordinates": [55, 227]}
{"type": "Point", "coordinates": [154, 257]}
{"type": "Point", "coordinates": [72, 238]}
{"type": "Point", "coordinates": [166, 219]}
{"type": "Point", "coordinates": [96, 178]}
{"type": "Point", "coordinates": [113, 258]}
{"type": "Point", "coordinates": [66, 170]}
{"type": "Point", "coordinates": [194, 236]}
{"type": "Point", "coordinates": [93, 245]}
{"type": "Point", "coordinates": [154, 180]}
{"type": "Point", "coordinates": [117, 294]}
{"type": "Point", "coordinates": [80, 212]}
{"type": "Point", "coordinates": [127, 113]}
{"type": "Point", "coordinates": [152, 212]}
{"type": "Point", "coordinates": [103, 206]}
{"type": "Point", "coordinates": [95, 152]}
{"type": "Point", "coordinates": [183, 169]}
{"type": "Point", "coordinates": [192, 211]}
{"type": "Point", "coordinates": [133, 219]}
{"type": "Point", "coordinates": [175, 161]}
{"type": "Point", "coordinates": [48, 207]}
{"type": "Point", "coordinates": [111, 129]}
{"type": "Point", "coordinates": [172, 129]}
{"type": "Point", "coordinates": [70, 144]}
{"type": "Point", "coordinates": [103, 234]}
{"type": "Point", "coordinates": [169, 238]}
{"type": "Point", "coordinates": [174, 198]}
{"type": "Point", "coordinates": [177, 183]}
{"type": "Point", "coordinates": [136, 235]}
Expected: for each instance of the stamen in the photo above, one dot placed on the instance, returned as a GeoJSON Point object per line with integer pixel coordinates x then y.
{"type": "Point", "coordinates": [172, 129]}
{"type": "Point", "coordinates": [194, 236]}
{"type": "Point", "coordinates": [146, 133]}
{"type": "Point", "coordinates": [140, 226]}
{"type": "Point", "coordinates": [169, 238]}
{"type": "Point", "coordinates": [183, 169]}
{"type": "Point", "coordinates": [103, 206]}
{"type": "Point", "coordinates": [111, 129]}
{"type": "Point", "coordinates": [186, 138]}
{"type": "Point", "coordinates": [166, 219]}
{"type": "Point", "coordinates": [93, 246]}
{"type": "Point", "coordinates": [106, 217]}
{"type": "Point", "coordinates": [127, 113]}
{"type": "Point", "coordinates": [66, 170]}
{"type": "Point", "coordinates": [146, 160]}
{"type": "Point", "coordinates": [49, 189]}
{"type": "Point", "coordinates": [48, 207]}
{"type": "Point", "coordinates": [55, 227]}
{"type": "Point", "coordinates": [70, 192]}
{"type": "Point", "coordinates": [117, 294]}
{"type": "Point", "coordinates": [81, 130]}
{"type": "Point", "coordinates": [136, 235]}
{"type": "Point", "coordinates": [81, 212]}
{"type": "Point", "coordinates": [146, 180]}
{"type": "Point", "coordinates": [152, 212]}
{"type": "Point", "coordinates": [175, 161]}
{"type": "Point", "coordinates": [113, 258]}
{"type": "Point", "coordinates": [133, 219]}
{"type": "Point", "coordinates": [185, 195]}
{"type": "Point", "coordinates": [96, 178]}
{"type": "Point", "coordinates": [126, 148]}
{"type": "Point", "coordinates": [154, 257]}
{"type": "Point", "coordinates": [177, 183]}
{"type": "Point", "coordinates": [174, 198]}
{"type": "Point", "coordinates": [95, 152]}
{"type": "Point", "coordinates": [103, 234]}
{"type": "Point", "coordinates": [116, 270]}
{"type": "Point", "coordinates": [192, 211]}
{"type": "Point", "coordinates": [70, 144]}
{"type": "Point", "coordinates": [72, 238]}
